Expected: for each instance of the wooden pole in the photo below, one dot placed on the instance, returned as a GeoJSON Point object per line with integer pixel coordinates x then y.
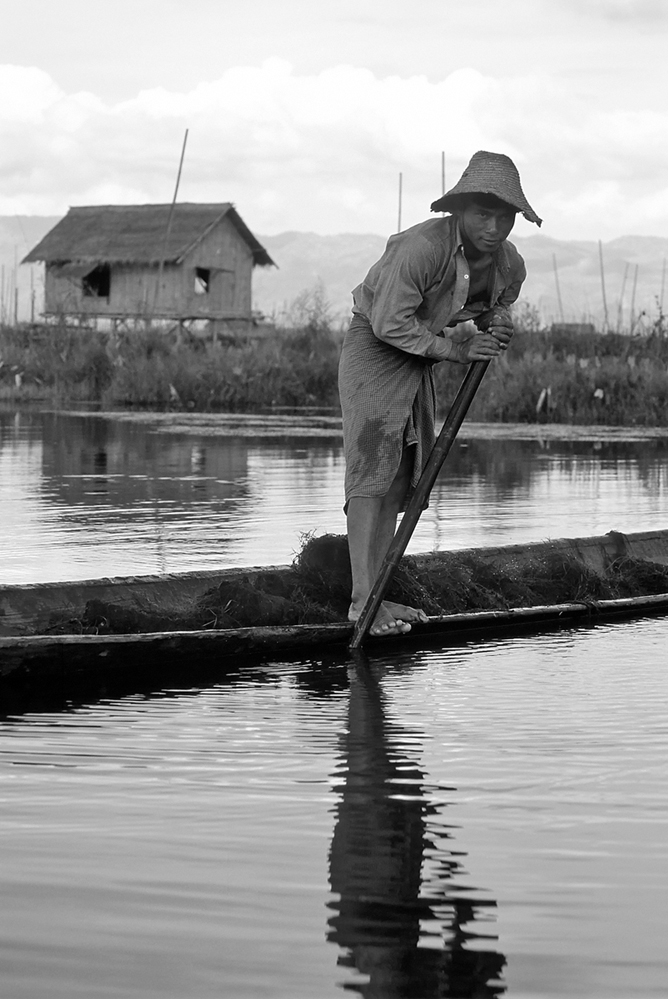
{"type": "Point", "coordinates": [663, 286]}
{"type": "Point", "coordinates": [620, 309]}
{"type": "Point", "coordinates": [15, 278]}
{"type": "Point", "coordinates": [556, 281]}
{"type": "Point", "coordinates": [161, 267]}
{"type": "Point", "coordinates": [444, 442]}
{"type": "Point", "coordinates": [632, 318]}
{"type": "Point", "coordinates": [400, 194]}
{"type": "Point", "coordinates": [442, 176]}
{"type": "Point", "coordinates": [605, 300]}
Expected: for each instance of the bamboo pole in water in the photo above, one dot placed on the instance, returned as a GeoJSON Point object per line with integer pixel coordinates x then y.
{"type": "Point", "coordinates": [605, 300]}
{"type": "Point", "coordinates": [161, 266]}
{"type": "Point", "coordinates": [15, 282]}
{"type": "Point", "coordinates": [620, 307]}
{"type": "Point", "coordinates": [632, 318]}
{"type": "Point", "coordinates": [556, 281]}
{"type": "Point", "coordinates": [400, 196]}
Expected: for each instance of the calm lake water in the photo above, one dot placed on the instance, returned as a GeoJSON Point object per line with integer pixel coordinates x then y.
{"type": "Point", "coordinates": [89, 496]}
{"type": "Point", "coordinates": [481, 821]}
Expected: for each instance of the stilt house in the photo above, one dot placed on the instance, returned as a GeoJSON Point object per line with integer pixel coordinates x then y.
{"type": "Point", "coordinates": [183, 262]}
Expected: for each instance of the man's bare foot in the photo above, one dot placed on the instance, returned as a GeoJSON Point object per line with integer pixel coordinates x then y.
{"type": "Point", "coordinates": [385, 623]}
{"type": "Point", "coordinates": [406, 613]}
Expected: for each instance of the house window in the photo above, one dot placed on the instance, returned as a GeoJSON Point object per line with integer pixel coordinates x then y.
{"type": "Point", "coordinates": [202, 280]}
{"type": "Point", "coordinates": [97, 283]}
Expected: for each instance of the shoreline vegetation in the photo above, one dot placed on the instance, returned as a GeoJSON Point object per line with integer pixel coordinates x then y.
{"type": "Point", "coordinates": [559, 375]}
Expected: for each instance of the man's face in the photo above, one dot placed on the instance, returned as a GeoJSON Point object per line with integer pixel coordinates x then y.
{"type": "Point", "coordinates": [486, 227]}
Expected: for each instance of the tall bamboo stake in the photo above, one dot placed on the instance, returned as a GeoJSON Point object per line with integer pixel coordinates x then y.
{"type": "Point", "coordinates": [442, 176]}
{"type": "Point", "coordinates": [161, 267]}
{"type": "Point", "coordinates": [632, 317]}
{"type": "Point", "coordinates": [605, 301]}
{"type": "Point", "coordinates": [620, 307]}
{"type": "Point", "coordinates": [400, 194]}
{"type": "Point", "coordinates": [556, 281]}
{"type": "Point", "coordinates": [663, 286]}
{"type": "Point", "coordinates": [15, 281]}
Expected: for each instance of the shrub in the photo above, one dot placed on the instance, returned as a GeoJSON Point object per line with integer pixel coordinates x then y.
{"type": "Point", "coordinates": [546, 376]}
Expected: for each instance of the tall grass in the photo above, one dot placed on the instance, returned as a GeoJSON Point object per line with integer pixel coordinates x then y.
{"type": "Point", "coordinates": [562, 377]}
{"type": "Point", "coordinates": [558, 377]}
{"type": "Point", "coordinates": [150, 367]}
{"type": "Point", "coordinates": [57, 363]}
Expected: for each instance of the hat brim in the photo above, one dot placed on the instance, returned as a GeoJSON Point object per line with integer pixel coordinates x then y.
{"type": "Point", "coordinates": [450, 202]}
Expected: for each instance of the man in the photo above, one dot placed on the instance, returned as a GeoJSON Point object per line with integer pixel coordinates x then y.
{"type": "Point", "coordinates": [431, 278]}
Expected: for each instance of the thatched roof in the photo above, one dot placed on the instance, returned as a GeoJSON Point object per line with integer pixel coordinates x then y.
{"type": "Point", "coordinates": [135, 234]}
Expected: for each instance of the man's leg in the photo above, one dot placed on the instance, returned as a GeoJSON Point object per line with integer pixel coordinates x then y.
{"type": "Point", "coordinates": [372, 523]}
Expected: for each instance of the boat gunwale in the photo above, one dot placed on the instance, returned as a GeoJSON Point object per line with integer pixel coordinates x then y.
{"type": "Point", "coordinates": [36, 656]}
{"type": "Point", "coordinates": [298, 635]}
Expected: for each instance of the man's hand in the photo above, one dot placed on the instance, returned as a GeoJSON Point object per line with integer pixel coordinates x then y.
{"type": "Point", "coordinates": [502, 330]}
{"type": "Point", "coordinates": [495, 331]}
{"type": "Point", "coordinates": [499, 324]}
{"type": "Point", "coordinates": [483, 347]}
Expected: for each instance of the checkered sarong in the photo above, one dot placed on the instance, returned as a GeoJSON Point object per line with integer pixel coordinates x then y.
{"type": "Point", "coordinates": [388, 402]}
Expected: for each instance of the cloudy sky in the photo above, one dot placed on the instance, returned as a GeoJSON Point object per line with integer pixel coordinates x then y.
{"type": "Point", "coordinates": [305, 112]}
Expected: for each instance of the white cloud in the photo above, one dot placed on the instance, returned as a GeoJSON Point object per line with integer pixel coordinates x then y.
{"type": "Point", "coordinates": [323, 151]}
{"type": "Point", "coordinates": [26, 93]}
{"type": "Point", "coordinates": [637, 11]}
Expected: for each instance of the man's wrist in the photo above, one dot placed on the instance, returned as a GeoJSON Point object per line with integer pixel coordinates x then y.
{"type": "Point", "coordinates": [452, 351]}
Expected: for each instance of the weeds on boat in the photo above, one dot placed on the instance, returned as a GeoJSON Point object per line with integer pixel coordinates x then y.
{"type": "Point", "coordinates": [630, 577]}
{"type": "Point", "coordinates": [460, 582]}
{"type": "Point", "coordinates": [316, 590]}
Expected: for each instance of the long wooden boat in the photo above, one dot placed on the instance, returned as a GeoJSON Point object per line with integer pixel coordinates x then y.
{"type": "Point", "coordinates": [44, 637]}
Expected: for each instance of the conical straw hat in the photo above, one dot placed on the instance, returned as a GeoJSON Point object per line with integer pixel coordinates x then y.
{"type": "Point", "coordinates": [489, 173]}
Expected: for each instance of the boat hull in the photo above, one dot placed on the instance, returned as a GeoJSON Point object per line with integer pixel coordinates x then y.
{"type": "Point", "coordinates": [30, 654]}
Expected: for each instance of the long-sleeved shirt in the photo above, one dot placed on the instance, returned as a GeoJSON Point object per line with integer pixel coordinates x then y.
{"type": "Point", "coordinates": [420, 285]}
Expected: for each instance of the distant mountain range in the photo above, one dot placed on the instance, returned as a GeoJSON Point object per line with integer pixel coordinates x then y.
{"type": "Point", "coordinates": [335, 264]}
{"type": "Point", "coordinates": [340, 262]}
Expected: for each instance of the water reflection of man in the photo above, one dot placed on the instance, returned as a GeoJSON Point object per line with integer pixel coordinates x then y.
{"type": "Point", "coordinates": [379, 849]}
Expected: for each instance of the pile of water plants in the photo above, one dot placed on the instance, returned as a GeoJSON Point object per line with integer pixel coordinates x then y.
{"type": "Point", "coordinates": [315, 589]}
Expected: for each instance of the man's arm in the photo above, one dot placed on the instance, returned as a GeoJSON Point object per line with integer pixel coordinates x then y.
{"type": "Point", "coordinates": [401, 277]}
{"type": "Point", "coordinates": [400, 280]}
